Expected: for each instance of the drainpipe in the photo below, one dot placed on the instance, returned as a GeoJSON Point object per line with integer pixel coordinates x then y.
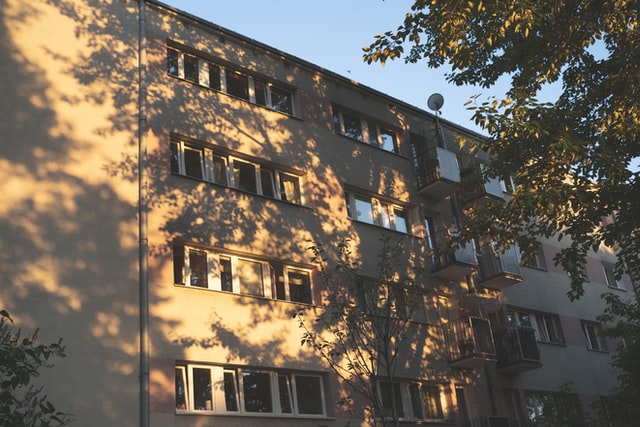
{"type": "Point", "coordinates": [143, 244]}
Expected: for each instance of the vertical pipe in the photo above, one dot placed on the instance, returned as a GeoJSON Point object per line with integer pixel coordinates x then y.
{"type": "Point", "coordinates": [143, 244]}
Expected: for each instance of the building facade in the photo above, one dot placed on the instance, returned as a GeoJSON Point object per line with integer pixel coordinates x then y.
{"type": "Point", "coordinates": [165, 177]}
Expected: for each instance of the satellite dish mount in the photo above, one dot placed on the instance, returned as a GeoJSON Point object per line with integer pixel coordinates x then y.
{"type": "Point", "coordinates": [435, 103]}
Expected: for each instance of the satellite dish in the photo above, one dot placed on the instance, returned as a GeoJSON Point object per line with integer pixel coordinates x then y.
{"type": "Point", "coordinates": [435, 102]}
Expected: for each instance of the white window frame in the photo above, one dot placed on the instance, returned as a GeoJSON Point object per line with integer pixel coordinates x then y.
{"type": "Point", "coordinates": [608, 270]}
{"type": "Point", "coordinates": [596, 342]}
{"type": "Point", "coordinates": [203, 80]}
{"type": "Point", "coordinates": [230, 179]}
{"type": "Point", "coordinates": [539, 323]}
{"type": "Point", "coordinates": [370, 131]}
{"type": "Point", "coordinates": [407, 403]}
{"type": "Point", "coordinates": [214, 274]}
{"type": "Point", "coordinates": [383, 213]}
{"type": "Point", "coordinates": [218, 402]}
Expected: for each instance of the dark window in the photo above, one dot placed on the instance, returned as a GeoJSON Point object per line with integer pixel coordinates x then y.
{"type": "Point", "coordinates": [308, 392]}
{"type": "Point", "coordinates": [202, 389]}
{"type": "Point", "coordinates": [175, 157]}
{"type": "Point", "coordinates": [245, 176]}
{"type": "Point", "coordinates": [299, 286]}
{"type": "Point", "coordinates": [238, 85]}
{"type": "Point", "coordinates": [226, 276]}
{"type": "Point", "coordinates": [261, 92]}
{"type": "Point", "coordinates": [178, 264]}
{"type": "Point", "coordinates": [198, 266]}
{"type": "Point", "coordinates": [257, 392]}
{"type": "Point", "coordinates": [194, 162]}
{"type": "Point", "coordinates": [172, 62]}
{"type": "Point", "coordinates": [281, 100]}
{"type": "Point", "coordinates": [191, 68]}
{"type": "Point", "coordinates": [214, 76]}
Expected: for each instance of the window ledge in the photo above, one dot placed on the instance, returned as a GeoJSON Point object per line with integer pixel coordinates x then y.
{"type": "Point", "coordinates": [381, 228]}
{"type": "Point", "coordinates": [557, 344]}
{"type": "Point", "coordinates": [253, 415]}
{"type": "Point", "coordinates": [615, 288]}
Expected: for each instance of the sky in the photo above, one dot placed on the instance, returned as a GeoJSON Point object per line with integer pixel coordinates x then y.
{"type": "Point", "coordinates": [331, 34]}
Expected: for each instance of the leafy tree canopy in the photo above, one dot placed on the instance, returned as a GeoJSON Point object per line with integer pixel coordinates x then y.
{"type": "Point", "coordinates": [571, 159]}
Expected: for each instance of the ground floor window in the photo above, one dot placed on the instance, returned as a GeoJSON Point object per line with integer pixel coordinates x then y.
{"type": "Point", "coordinates": [413, 400]}
{"type": "Point", "coordinates": [234, 390]}
{"type": "Point", "coordinates": [552, 408]}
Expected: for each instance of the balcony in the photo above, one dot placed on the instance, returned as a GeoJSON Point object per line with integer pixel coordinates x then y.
{"type": "Point", "coordinates": [517, 350]}
{"type": "Point", "coordinates": [476, 189]}
{"type": "Point", "coordinates": [497, 271]}
{"type": "Point", "coordinates": [469, 342]}
{"type": "Point", "coordinates": [438, 172]}
{"type": "Point", "coordinates": [455, 264]}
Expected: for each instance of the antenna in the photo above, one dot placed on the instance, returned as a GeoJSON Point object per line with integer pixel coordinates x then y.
{"type": "Point", "coordinates": [435, 102]}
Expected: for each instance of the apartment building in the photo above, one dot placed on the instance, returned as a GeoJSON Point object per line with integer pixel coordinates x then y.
{"type": "Point", "coordinates": [165, 177]}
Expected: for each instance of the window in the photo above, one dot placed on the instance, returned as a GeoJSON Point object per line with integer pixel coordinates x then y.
{"type": "Point", "coordinates": [593, 337]}
{"type": "Point", "coordinates": [535, 259]}
{"type": "Point", "coordinates": [413, 400]}
{"type": "Point", "coordinates": [552, 408]}
{"type": "Point", "coordinates": [205, 269]}
{"type": "Point", "coordinates": [214, 165]}
{"type": "Point", "coordinates": [508, 184]}
{"type": "Point", "coordinates": [230, 390]}
{"type": "Point", "coordinates": [609, 274]}
{"type": "Point", "coordinates": [371, 210]}
{"type": "Point", "coordinates": [233, 82]}
{"type": "Point", "coordinates": [355, 127]}
{"type": "Point", "coordinates": [546, 326]}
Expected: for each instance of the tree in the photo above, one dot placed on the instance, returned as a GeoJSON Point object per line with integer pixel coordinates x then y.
{"type": "Point", "coordinates": [570, 158]}
{"type": "Point", "coordinates": [360, 329]}
{"type": "Point", "coordinates": [23, 404]}
{"type": "Point", "coordinates": [624, 317]}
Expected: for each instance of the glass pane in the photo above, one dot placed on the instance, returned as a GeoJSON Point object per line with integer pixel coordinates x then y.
{"type": "Point", "coordinates": [261, 92]}
{"type": "Point", "coordinates": [352, 127]}
{"type": "Point", "coordinates": [172, 62]}
{"type": "Point", "coordinates": [309, 395]}
{"type": "Point", "coordinates": [388, 140]}
{"type": "Point", "coordinates": [373, 134]}
{"type": "Point", "coordinates": [336, 122]}
{"type": "Point", "coordinates": [432, 404]}
{"type": "Point", "coordinates": [181, 388]}
{"type": "Point", "coordinates": [416, 402]}
{"type": "Point", "coordinates": [402, 225]}
{"type": "Point", "coordinates": [193, 162]}
{"type": "Point", "coordinates": [174, 155]}
{"type": "Point", "coordinates": [385, 216]}
{"type": "Point", "coordinates": [226, 277]}
{"type": "Point", "coordinates": [214, 76]}
{"type": "Point", "coordinates": [250, 276]}
{"type": "Point", "coordinates": [299, 286]}
{"type": "Point", "coordinates": [220, 170]}
{"type": "Point", "coordinates": [238, 85]}
{"type": "Point", "coordinates": [284, 387]}
{"type": "Point", "coordinates": [289, 188]}
{"type": "Point", "coordinates": [230, 393]}
{"type": "Point", "coordinates": [364, 210]}
{"type": "Point", "coordinates": [524, 319]}
{"type": "Point", "coordinates": [202, 389]}
{"type": "Point", "coordinates": [387, 402]}
{"type": "Point", "coordinates": [191, 68]}
{"type": "Point", "coordinates": [245, 176]}
{"type": "Point", "coordinates": [178, 264]}
{"type": "Point", "coordinates": [198, 267]}
{"type": "Point", "coordinates": [266, 178]}
{"type": "Point", "coordinates": [257, 392]}
{"type": "Point", "coordinates": [281, 100]}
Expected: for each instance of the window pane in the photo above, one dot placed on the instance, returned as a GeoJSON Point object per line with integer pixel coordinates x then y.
{"type": "Point", "coordinates": [172, 62]}
{"type": "Point", "coordinates": [266, 178]}
{"type": "Point", "coordinates": [257, 392]}
{"type": "Point", "coordinates": [387, 402]}
{"type": "Point", "coordinates": [191, 68]}
{"type": "Point", "coordinates": [261, 92]}
{"type": "Point", "coordinates": [230, 391]}
{"type": "Point", "coordinates": [309, 395]}
{"type": "Point", "coordinates": [299, 286]}
{"type": "Point", "coordinates": [387, 140]}
{"type": "Point", "coordinates": [174, 156]}
{"type": "Point", "coordinates": [281, 100]}
{"type": "Point", "coordinates": [245, 176]}
{"type": "Point", "coordinates": [352, 127]}
{"type": "Point", "coordinates": [416, 402]}
{"type": "Point", "coordinates": [336, 122]}
{"type": "Point", "coordinates": [277, 280]}
{"type": "Point", "coordinates": [284, 388]}
{"type": "Point", "coordinates": [219, 170]}
{"type": "Point", "coordinates": [238, 85]}
{"type": "Point", "coordinates": [198, 267]}
{"type": "Point", "coordinates": [226, 277]}
{"type": "Point", "coordinates": [250, 276]}
{"type": "Point", "coordinates": [202, 389]}
{"type": "Point", "coordinates": [364, 210]}
{"type": "Point", "coordinates": [181, 388]}
{"type": "Point", "coordinates": [290, 188]}
{"type": "Point", "coordinates": [385, 216]}
{"type": "Point", "coordinates": [432, 404]}
{"type": "Point", "coordinates": [214, 76]}
{"type": "Point", "coordinates": [401, 223]}
{"type": "Point", "coordinates": [178, 264]}
{"type": "Point", "coordinates": [193, 162]}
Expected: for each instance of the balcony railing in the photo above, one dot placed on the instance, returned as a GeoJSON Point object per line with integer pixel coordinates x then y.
{"type": "Point", "coordinates": [497, 271]}
{"type": "Point", "coordinates": [517, 350]}
{"type": "Point", "coordinates": [469, 342]}
{"type": "Point", "coordinates": [437, 171]}
{"type": "Point", "coordinates": [455, 264]}
{"type": "Point", "coordinates": [476, 189]}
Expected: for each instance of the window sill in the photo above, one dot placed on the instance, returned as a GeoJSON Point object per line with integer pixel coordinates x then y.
{"type": "Point", "coordinates": [594, 350]}
{"type": "Point", "coordinates": [615, 288]}
{"type": "Point", "coordinates": [557, 344]}
{"type": "Point", "coordinates": [233, 294]}
{"type": "Point", "coordinates": [381, 228]}
{"type": "Point", "coordinates": [182, 412]}
{"type": "Point", "coordinates": [372, 146]}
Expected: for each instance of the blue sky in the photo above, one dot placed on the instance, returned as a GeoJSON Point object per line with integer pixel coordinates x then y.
{"type": "Point", "coordinates": [331, 34]}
